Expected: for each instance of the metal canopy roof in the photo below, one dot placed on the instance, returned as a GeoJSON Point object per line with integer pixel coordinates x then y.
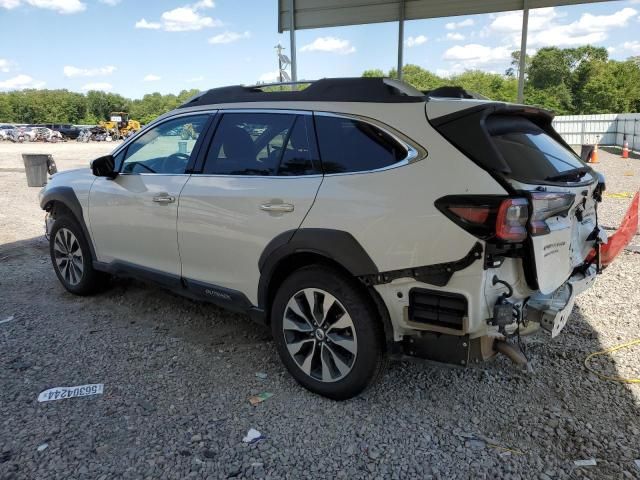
{"type": "Point", "coordinates": [302, 14]}
{"type": "Point", "coordinates": [333, 13]}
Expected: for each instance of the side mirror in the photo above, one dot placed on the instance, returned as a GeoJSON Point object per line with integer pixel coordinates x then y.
{"type": "Point", "coordinates": [104, 167]}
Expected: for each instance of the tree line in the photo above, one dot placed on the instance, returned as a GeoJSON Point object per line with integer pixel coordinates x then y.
{"type": "Point", "coordinates": [570, 81]}
{"type": "Point", "coordinates": [580, 80]}
{"type": "Point", "coordinates": [63, 106]}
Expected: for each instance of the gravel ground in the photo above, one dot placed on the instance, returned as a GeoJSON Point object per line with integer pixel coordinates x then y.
{"type": "Point", "coordinates": [177, 375]}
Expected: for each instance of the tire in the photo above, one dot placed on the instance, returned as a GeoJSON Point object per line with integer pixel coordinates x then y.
{"type": "Point", "coordinates": [75, 269]}
{"type": "Point", "coordinates": [337, 353]}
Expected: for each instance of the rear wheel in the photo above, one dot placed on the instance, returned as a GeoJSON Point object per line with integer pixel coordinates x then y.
{"type": "Point", "coordinates": [71, 258]}
{"type": "Point", "coordinates": [327, 332]}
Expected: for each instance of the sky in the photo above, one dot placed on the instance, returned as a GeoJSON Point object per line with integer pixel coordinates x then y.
{"type": "Point", "coordinates": [134, 47]}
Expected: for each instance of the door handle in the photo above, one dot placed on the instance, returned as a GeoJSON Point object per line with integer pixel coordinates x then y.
{"type": "Point", "coordinates": [164, 198]}
{"type": "Point", "coordinates": [277, 207]}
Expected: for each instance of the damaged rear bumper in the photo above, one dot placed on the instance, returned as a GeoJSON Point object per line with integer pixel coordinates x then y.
{"type": "Point", "coordinates": [552, 311]}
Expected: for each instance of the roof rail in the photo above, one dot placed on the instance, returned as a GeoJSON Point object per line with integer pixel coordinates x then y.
{"type": "Point", "coordinates": [356, 89]}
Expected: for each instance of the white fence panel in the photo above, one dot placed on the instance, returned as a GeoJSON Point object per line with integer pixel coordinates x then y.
{"type": "Point", "coordinates": [606, 129]}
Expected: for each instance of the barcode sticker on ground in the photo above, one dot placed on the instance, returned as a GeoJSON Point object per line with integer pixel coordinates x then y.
{"type": "Point", "coordinates": [60, 393]}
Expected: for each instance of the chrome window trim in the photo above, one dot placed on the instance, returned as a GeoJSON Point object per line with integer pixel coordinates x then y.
{"type": "Point", "coordinates": [415, 152]}
{"type": "Point", "coordinates": [314, 175]}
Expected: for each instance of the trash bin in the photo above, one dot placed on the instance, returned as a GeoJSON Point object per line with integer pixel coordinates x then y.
{"type": "Point", "coordinates": [585, 152]}
{"type": "Point", "coordinates": [182, 147]}
{"type": "Point", "coordinates": [37, 166]}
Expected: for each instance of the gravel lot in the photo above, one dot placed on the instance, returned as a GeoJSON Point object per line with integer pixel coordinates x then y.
{"type": "Point", "coordinates": [177, 375]}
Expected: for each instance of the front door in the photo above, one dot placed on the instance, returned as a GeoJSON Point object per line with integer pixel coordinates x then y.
{"type": "Point", "coordinates": [259, 180]}
{"type": "Point", "coordinates": [133, 217]}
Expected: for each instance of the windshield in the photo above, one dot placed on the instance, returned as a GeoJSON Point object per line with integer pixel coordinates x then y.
{"type": "Point", "coordinates": [530, 152]}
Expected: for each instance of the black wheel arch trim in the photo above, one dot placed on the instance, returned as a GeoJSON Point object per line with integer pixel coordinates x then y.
{"type": "Point", "coordinates": [336, 245]}
{"type": "Point", "coordinates": [67, 197]}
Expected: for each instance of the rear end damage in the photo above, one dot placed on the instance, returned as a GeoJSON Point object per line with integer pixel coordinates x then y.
{"type": "Point", "coordinates": [542, 244]}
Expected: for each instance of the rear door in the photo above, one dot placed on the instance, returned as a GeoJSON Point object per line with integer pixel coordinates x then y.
{"type": "Point", "coordinates": [259, 179]}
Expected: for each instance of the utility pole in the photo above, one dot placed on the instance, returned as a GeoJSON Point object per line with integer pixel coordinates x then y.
{"type": "Point", "coordinates": [279, 48]}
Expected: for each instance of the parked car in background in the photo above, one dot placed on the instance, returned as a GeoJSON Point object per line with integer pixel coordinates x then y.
{"type": "Point", "coordinates": [359, 218]}
{"type": "Point", "coordinates": [5, 132]}
{"type": "Point", "coordinates": [17, 135]}
{"type": "Point", "coordinates": [67, 130]}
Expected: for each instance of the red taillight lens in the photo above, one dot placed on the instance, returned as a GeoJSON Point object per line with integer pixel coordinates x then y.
{"type": "Point", "coordinates": [512, 219]}
{"type": "Point", "coordinates": [478, 214]}
{"type": "Point", "coordinates": [489, 217]}
{"type": "Point", "coordinates": [546, 205]}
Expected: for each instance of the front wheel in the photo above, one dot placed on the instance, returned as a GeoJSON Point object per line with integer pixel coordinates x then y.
{"type": "Point", "coordinates": [71, 258]}
{"type": "Point", "coordinates": [328, 333]}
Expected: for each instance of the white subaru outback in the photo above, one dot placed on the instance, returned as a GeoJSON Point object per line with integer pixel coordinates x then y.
{"type": "Point", "coordinates": [358, 217]}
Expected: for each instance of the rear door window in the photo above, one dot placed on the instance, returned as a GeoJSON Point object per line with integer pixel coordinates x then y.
{"type": "Point", "coordinates": [349, 145]}
{"type": "Point", "coordinates": [530, 152]}
{"type": "Point", "coordinates": [262, 144]}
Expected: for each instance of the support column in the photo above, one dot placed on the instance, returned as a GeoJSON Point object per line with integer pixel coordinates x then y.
{"type": "Point", "coordinates": [292, 40]}
{"type": "Point", "coordinates": [523, 50]}
{"type": "Point", "coordinates": [400, 39]}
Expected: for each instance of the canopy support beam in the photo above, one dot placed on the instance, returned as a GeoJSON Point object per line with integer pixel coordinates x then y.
{"type": "Point", "coordinates": [400, 39]}
{"type": "Point", "coordinates": [523, 50]}
{"type": "Point", "coordinates": [292, 40]}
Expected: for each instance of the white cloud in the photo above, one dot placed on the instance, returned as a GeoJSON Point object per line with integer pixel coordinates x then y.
{"type": "Point", "coordinates": [229, 37]}
{"type": "Point", "coordinates": [511, 22]}
{"type": "Point", "coordinates": [199, 78]}
{"type": "Point", "coordinates": [473, 55]}
{"type": "Point", "coordinates": [4, 65]}
{"type": "Point", "coordinates": [455, 36]}
{"type": "Point", "coordinates": [633, 46]}
{"type": "Point", "coordinates": [142, 23]}
{"type": "Point", "coordinates": [545, 30]}
{"type": "Point", "coordinates": [97, 86]}
{"type": "Point", "coordinates": [329, 44]}
{"type": "Point", "coordinates": [415, 41]}
{"type": "Point", "coordinates": [70, 71]}
{"type": "Point", "coordinates": [151, 78]}
{"type": "Point", "coordinates": [183, 19]}
{"type": "Point", "coordinates": [9, 4]}
{"type": "Point", "coordinates": [19, 82]}
{"type": "Point", "coordinates": [60, 6]}
{"type": "Point", "coordinates": [111, 3]}
{"type": "Point", "coordinates": [461, 24]}
{"type": "Point", "coordinates": [269, 76]}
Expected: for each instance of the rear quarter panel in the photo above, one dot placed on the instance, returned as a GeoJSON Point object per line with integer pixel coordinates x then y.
{"type": "Point", "coordinates": [392, 212]}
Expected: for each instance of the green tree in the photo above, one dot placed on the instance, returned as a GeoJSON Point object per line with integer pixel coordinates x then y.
{"type": "Point", "coordinates": [376, 72]}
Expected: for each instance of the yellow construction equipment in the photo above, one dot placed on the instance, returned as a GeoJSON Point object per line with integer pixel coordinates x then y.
{"type": "Point", "coordinates": [120, 126]}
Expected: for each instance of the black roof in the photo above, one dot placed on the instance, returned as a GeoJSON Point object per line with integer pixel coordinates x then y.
{"type": "Point", "coordinates": [359, 89]}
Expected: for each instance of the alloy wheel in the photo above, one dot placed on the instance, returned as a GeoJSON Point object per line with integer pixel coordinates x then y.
{"type": "Point", "coordinates": [320, 335]}
{"type": "Point", "coordinates": [68, 256]}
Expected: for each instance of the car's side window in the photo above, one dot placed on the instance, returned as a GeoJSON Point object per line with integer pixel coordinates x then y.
{"type": "Point", "coordinates": [165, 148]}
{"type": "Point", "coordinates": [261, 144]}
{"type": "Point", "coordinates": [349, 145]}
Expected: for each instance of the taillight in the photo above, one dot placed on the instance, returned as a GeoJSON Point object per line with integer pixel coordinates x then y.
{"type": "Point", "coordinates": [511, 224]}
{"type": "Point", "coordinates": [546, 205]}
{"type": "Point", "coordinates": [489, 217]}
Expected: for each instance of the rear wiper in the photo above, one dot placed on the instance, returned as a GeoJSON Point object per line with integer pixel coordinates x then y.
{"type": "Point", "coordinates": [576, 173]}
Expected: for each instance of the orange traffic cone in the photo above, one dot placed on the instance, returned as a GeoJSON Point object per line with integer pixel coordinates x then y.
{"type": "Point", "coordinates": [594, 154]}
{"type": "Point", "coordinates": [625, 149]}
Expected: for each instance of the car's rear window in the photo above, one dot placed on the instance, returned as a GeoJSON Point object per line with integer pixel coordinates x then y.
{"type": "Point", "coordinates": [530, 152]}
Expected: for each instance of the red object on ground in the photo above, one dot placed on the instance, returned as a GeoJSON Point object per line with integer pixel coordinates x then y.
{"type": "Point", "coordinates": [622, 236]}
